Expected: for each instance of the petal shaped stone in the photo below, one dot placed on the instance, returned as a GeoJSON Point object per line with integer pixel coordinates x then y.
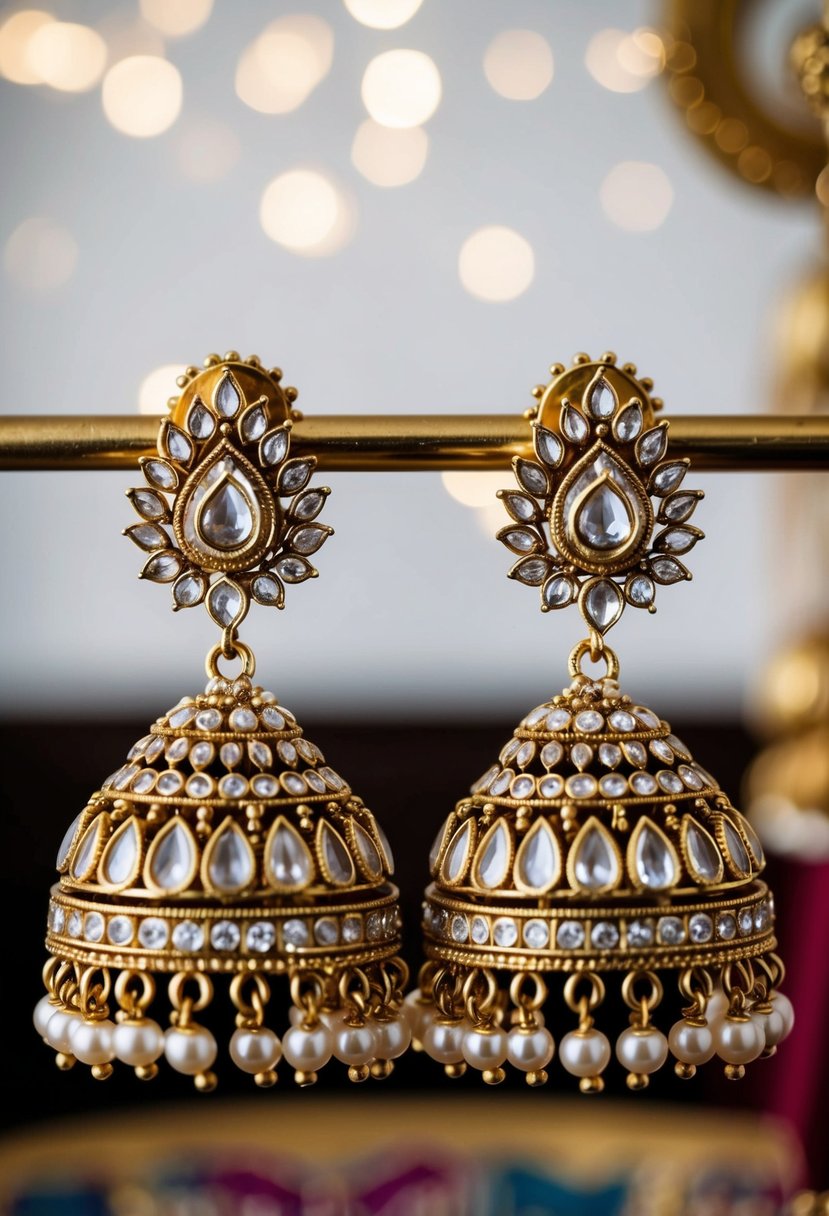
{"type": "Point", "coordinates": [334, 856]}
{"type": "Point", "coordinates": [652, 446]}
{"type": "Point", "coordinates": [122, 855]}
{"type": "Point", "coordinates": [548, 446]}
{"type": "Point", "coordinates": [200, 421]}
{"type": "Point", "coordinates": [367, 852]}
{"type": "Point", "coordinates": [679, 507]}
{"type": "Point", "coordinates": [437, 845]}
{"type": "Point", "coordinates": [593, 863]}
{"type": "Point", "coordinates": [604, 520]}
{"type": "Point", "coordinates": [226, 519]}
{"type": "Point", "coordinates": [288, 862]}
{"type": "Point", "coordinates": [295, 475]}
{"type": "Point", "coordinates": [530, 476]}
{"type": "Point", "coordinates": [162, 567]}
{"type": "Point", "coordinates": [600, 397]}
{"type": "Point", "coordinates": [573, 423]}
{"type": "Point", "coordinates": [701, 853]}
{"type": "Point", "coordinates": [188, 590]}
{"type": "Point", "coordinates": [751, 836]}
{"type": "Point", "coordinates": [558, 591]}
{"type": "Point", "coordinates": [667, 477]}
{"type": "Point", "coordinates": [88, 848]}
{"type": "Point", "coordinates": [652, 859]}
{"type": "Point", "coordinates": [266, 589]}
{"type": "Point", "coordinates": [160, 474]}
{"type": "Point", "coordinates": [538, 860]}
{"type": "Point", "coordinates": [668, 570]}
{"type": "Point", "coordinates": [385, 846]}
{"type": "Point", "coordinates": [229, 863]}
{"type": "Point", "coordinates": [174, 443]}
{"type": "Point", "coordinates": [225, 603]}
{"type": "Point", "coordinates": [227, 397]}
{"type": "Point", "coordinates": [171, 861]}
{"type": "Point", "coordinates": [457, 854]}
{"type": "Point", "coordinates": [640, 591]}
{"type": "Point", "coordinates": [493, 858]}
{"type": "Point", "coordinates": [737, 852]}
{"type": "Point", "coordinates": [628, 423]}
{"type": "Point", "coordinates": [603, 604]}
{"type": "Point", "coordinates": [274, 446]}
{"type": "Point", "coordinates": [253, 423]}
{"type": "Point", "coordinates": [66, 843]}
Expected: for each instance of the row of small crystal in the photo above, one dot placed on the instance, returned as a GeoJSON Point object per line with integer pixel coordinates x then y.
{"type": "Point", "coordinates": [199, 785]}
{"type": "Point", "coordinates": [522, 751]}
{"type": "Point", "coordinates": [504, 931]}
{"type": "Point", "coordinates": [586, 1052]}
{"type": "Point", "coordinates": [189, 936]}
{"type": "Point", "coordinates": [506, 783]}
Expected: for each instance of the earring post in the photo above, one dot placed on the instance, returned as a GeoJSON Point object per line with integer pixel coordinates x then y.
{"type": "Point", "coordinates": [416, 442]}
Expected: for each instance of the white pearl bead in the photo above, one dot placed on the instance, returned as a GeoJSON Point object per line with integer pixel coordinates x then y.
{"type": "Point", "coordinates": [307, 1049]}
{"type": "Point", "coordinates": [392, 1037]}
{"type": "Point", "coordinates": [642, 1050]}
{"type": "Point", "coordinates": [58, 1029]}
{"type": "Point", "coordinates": [773, 1025]}
{"type": "Point", "coordinates": [783, 1005]}
{"type": "Point", "coordinates": [738, 1042]}
{"type": "Point", "coordinates": [717, 1007]}
{"type": "Point", "coordinates": [354, 1045]}
{"type": "Point", "coordinates": [419, 1014]}
{"type": "Point", "coordinates": [138, 1043]}
{"type": "Point", "coordinates": [485, 1049]}
{"type": "Point", "coordinates": [190, 1049]}
{"type": "Point", "coordinates": [530, 1050]}
{"type": "Point", "coordinates": [443, 1041]}
{"type": "Point", "coordinates": [255, 1049]}
{"type": "Point", "coordinates": [332, 1018]}
{"type": "Point", "coordinates": [584, 1053]}
{"type": "Point", "coordinates": [92, 1041]}
{"type": "Point", "coordinates": [691, 1044]}
{"type": "Point", "coordinates": [42, 1015]}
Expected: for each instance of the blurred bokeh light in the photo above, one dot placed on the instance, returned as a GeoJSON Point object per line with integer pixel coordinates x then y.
{"type": "Point", "coordinates": [519, 64]}
{"type": "Point", "coordinates": [142, 95]}
{"type": "Point", "coordinates": [401, 88]}
{"type": "Point", "coordinates": [389, 157]}
{"type": "Point", "coordinates": [496, 263]}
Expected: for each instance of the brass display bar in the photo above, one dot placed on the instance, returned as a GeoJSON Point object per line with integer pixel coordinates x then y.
{"type": "Point", "coordinates": [400, 442]}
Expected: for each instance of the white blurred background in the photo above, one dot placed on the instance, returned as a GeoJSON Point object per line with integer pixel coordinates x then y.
{"type": "Point", "coordinates": [409, 219]}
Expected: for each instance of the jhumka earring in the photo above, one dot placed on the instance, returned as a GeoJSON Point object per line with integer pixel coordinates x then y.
{"type": "Point", "coordinates": [596, 844]}
{"type": "Point", "coordinates": [225, 845]}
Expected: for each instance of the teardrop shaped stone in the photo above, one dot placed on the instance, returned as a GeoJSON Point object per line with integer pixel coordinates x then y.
{"type": "Point", "coordinates": [434, 852]}
{"type": "Point", "coordinates": [457, 853]}
{"type": "Point", "coordinates": [367, 850]}
{"type": "Point", "coordinates": [538, 862]}
{"type": "Point", "coordinates": [654, 862]}
{"type": "Point", "coordinates": [753, 839]}
{"type": "Point", "coordinates": [173, 858]}
{"type": "Point", "coordinates": [493, 857]}
{"type": "Point", "coordinates": [601, 398]}
{"type": "Point", "coordinates": [603, 604]}
{"type": "Point", "coordinates": [704, 861]}
{"type": "Point", "coordinates": [87, 848]}
{"type": "Point", "coordinates": [227, 399]}
{"type": "Point", "coordinates": [385, 846]}
{"type": "Point", "coordinates": [120, 858]}
{"type": "Point", "coordinates": [604, 518]}
{"type": "Point", "coordinates": [226, 519]}
{"type": "Point", "coordinates": [736, 848]}
{"type": "Point", "coordinates": [287, 858]}
{"type": "Point", "coordinates": [336, 856]}
{"type": "Point", "coordinates": [230, 867]}
{"type": "Point", "coordinates": [595, 864]}
{"type": "Point", "coordinates": [222, 511]}
{"type": "Point", "coordinates": [68, 837]}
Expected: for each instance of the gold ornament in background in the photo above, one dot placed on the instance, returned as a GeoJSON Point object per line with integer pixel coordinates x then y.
{"type": "Point", "coordinates": [225, 846]}
{"type": "Point", "coordinates": [596, 844]}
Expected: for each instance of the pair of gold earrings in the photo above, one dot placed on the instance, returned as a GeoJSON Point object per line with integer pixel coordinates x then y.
{"type": "Point", "coordinates": [225, 846]}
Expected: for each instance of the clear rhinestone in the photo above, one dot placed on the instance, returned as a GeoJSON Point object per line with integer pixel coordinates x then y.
{"type": "Point", "coordinates": [230, 754]}
{"type": "Point", "coordinates": [74, 924]}
{"type": "Point", "coordinates": [557, 719]}
{"type": "Point", "coordinates": [243, 719]}
{"type": "Point", "coordinates": [459, 929]}
{"type": "Point", "coordinates": [551, 786]}
{"type": "Point", "coordinates": [254, 424]}
{"type": "Point", "coordinates": [287, 752]}
{"type": "Point", "coordinates": [762, 917]}
{"type": "Point", "coordinates": [58, 919]}
{"type": "Point", "coordinates": [595, 864]}
{"type": "Point", "coordinates": [333, 780]}
{"type": "Point", "coordinates": [177, 750]}
{"type": "Point", "coordinates": [159, 474]}
{"type": "Point", "coordinates": [273, 718]}
{"type": "Point", "coordinates": [551, 753]}
{"type": "Point", "coordinates": [352, 929]}
{"type": "Point", "coordinates": [174, 857]}
{"type": "Point", "coordinates": [326, 931]}
{"type": "Point", "coordinates": [199, 786]}
{"type": "Point", "coordinates": [610, 755]}
{"type": "Point", "coordinates": [264, 786]}
{"type": "Point", "coordinates": [704, 860]}
{"type": "Point", "coordinates": [654, 861]}
{"type": "Point", "coordinates": [501, 783]}
{"type": "Point", "coordinates": [233, 785]}
{"type": "Point", "coordinates": [260, 937]}
{"type": "Point", "coordinates": [668, 476]}
{"type": "Point", "coordinates": [538, 861]}
{"type": "Point", "coordinates": [505, 932]}
{"type": "Point", "coordinates": [494, 861]}
{"type": "Point", "coordinates": [484, 781]}
{"type": "Point", "coordinates": [139, 748]}
{"type": "Point", "coordinates": [260, 754]}
{"type": "Point", "coordinates": [605, 518]}
{"type": "Point", "coordinates": [613, 785]}
{"type": "Point", "coordinates": [525, 753]}
{"type": "Point", "coordinates": [294, 784]}
{"type": "Point", "coordinates": [726, 926]}
{"type": "Point", "coordinates": [479, 930]}
{"type": "Point", "coordinates": [570, 935]}
{"type": "Point", "coordinates": [125, 776]}
{"type": "Point", "coordinates": [679, 747]}
{"type": "Point", "coordinates": [647, 718]}
{"type": "Point", "coordinates": [589, 720]}
{"type": "Point", "coordinates": [736, 848]}
{"type": "Point", "coordinates": [226, 397]}
{"type": "Point", "coordinates": [603, 604]}
{"type": "Point", "coordinates": [188, 590]}
{"type": "Point", "coordinates": [156, 747]}
{"type": "Point", "coordinates": [93, 927]}
{"type": "Point", "coordinates": [620, 719]}
{"type": "Point", "coordinates": [547, 445]}
{"type": "Point", "coordinates": [582, 785]}
{"type": "Point", "coordinates": [652, 445]}
{"type": "Point", "coordinates": [208, 719]}
{"type": "Point", "coordinates": [635, 753]}
{"type": "Point", "coordinates": [670, 931]}
{"type": "Point", "coordinates": [700, 928]}
{"type": "Point", "coordinates": [536, 715]}
{"type": "Point", "coordinates": [602, 399]}
{"type": "Point", "coordinates": [558, 591]}
{"type": "Point", "coordinates": [231, 866]}
{"type": "Point", "coordinates": [335, 855]}
{"type": "Point", "coordinates": [188, 936]}
{"type": "Point", "coordinates": [643, 784]}
{"type": "Point", "coordinates": [120, 930]}
{"type": "Point", "coordinates": [169, 782]}
{"type": "Point", "coordinates": [604, 935]}
{"type": "Point", "coordinates": [640, 590]}
{"type": "Point", "coordinates": [153, 933]}
{"type": "Point", "coordinates": [144, 782]}
{"type": "Point", "coordinates": [225, 935]}
{"type": "Point", "coordinates": [628, 424]}
{"type": "Point", "coordinates": [274, 446]}
{"type": "Point", "coordinates": [745, 922]}
{"type": "Point", "coordinates": [314, 781]}
{"type": "Point", "coordinates": [536, 934]}
{"type": "Point", "coordinates": [690, 778]}
{"type": "Point", "coordinates": [752, 837]}
{"type": "Point", "coordinates": [669, 782]}
{"type": "Point", "coordinates": [375, 926]}
{"type": "Point", "coordinates": [522, 786]}
{"type": "Point", "coordinates": [660, 749]}
{"type": "Point", "coordinates": [581, 754]}
{"type": "Point", "coordinates": [640, 933]}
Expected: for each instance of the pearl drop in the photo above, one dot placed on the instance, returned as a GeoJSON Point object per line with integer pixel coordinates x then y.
{"type": "Point", "coordinates": [332, 1018]}
{"type": "Point", "coordinates": [717, 1007]}
{"type": "Point", "coordinates": [443, 1041]}
{"type": "Point", "coordinates": [307, 1049]}
{"type": "Point", "coordinates": [783, 1005]}
{"type": "Point", "coordinates": [419, 1014]}
{"type": "Point", "coordinates": [691, 1044]}
{"type": "Point", "coordinates": [354, 1045]}
{"type": "Point", "coordinates": [485, 1049]}
{"type": "Point", "coordinates": [255, 1049]}
{"type": "Point", "coordinates": [772, 1024]}
{"type": "Point", "coordinates": [190, 1049]}
{"type": "Point", "coordinates": [641, 1050]}
{"type": "Point", "coordinates": [92, 1041]}
{"type": "Point", "coordinates": [392, 1037]}
{"type": "Point", "coordinates": [58, 1030]}
{"type": "Point", "coordinates": [738, 1042]}
{"type": "Point", "coordinates": [42, 1015]}
{"type": "Point", "coordinates": [584, 1053]}
{"type": "Point", "coordinates": [530, 1050]}
{"type": "Point", "coordinates": [138, 1043]}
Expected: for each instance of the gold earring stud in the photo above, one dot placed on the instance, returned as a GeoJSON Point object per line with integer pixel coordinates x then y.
{"type": "Point", "coordinates": [225, 848]}
{"type": "Point", "coordinates": [596, 847]}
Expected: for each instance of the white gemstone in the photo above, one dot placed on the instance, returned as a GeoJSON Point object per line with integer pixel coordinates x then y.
{"type": "Point", "coordinates": [628, 424]}
{"type": "Point", "coordinates": [640, 933]}
{"type": "Point", "coordinates": [736, 848]}
{"type": "Point", "coordinates": [314, 781]}
{"type": "Point", "coordinates": [601, 398]}
{"type": "Point", "coordinates": [156, 746]}
{"type": "Point", "coordinates": [230, 754]}
{"type": "Point", "coordinates": [260, 937]}
{"type": "Point", "coordinates": [654, 862]}
{"type": "Point", "coordinates": [352, 929]}
{"type": "Point", "coordinates": [294, 784]}
{"type": "Point", "coordinates": [288, 860]}
{"type": "Point", "coordinates": [66, 843]}
{"type": "Point", "coordinates": [581, 754]}
{"type": "Point", "coordinates": [160, 474]}
{"type": "Point", "coordinates": [295, 934]}
{"type": "Point", "coordinates": [208, 719]}
{"type": "Point", "coordinates": [670, 931]}
{"type": "Point", "coordinates": [573, 423]}
{"type": "Point", "coordinates": [704, 860]}
{"type": "Point", "coordinates": [613, 785]}
{"type": "Point", "coordinates": [752, 837]}
{"type": "Point", "coordinates": [557, 719]}
{"type": "Point", "coordinates": [595, 864]}
{"type": "Point", "coordinates": [260, 754]}
{"type": "Point", "coordinates": [153, 933]}
{"type": "Point", "coordinates": [57, 918]}
{"type": "Point", "coordinates": [199, 786]}
{"type": "Point", "coordinates": [273, 718]}
{"type": "Point", "coordinates": [148, 504]}
{"type": "Point", "coordinates": [604, 935]}
{"type": "Point", "coordinates": [494, 862]}
{"type": "Point", "coordinates": [254, 424]}
{"type": "Point", "coordinates": [647, 717]}
{"type": "Point", "coordinates": [605, 518]}
{"type": "Point", "coordinates": [501, 783]}
{"type": "Point", "coordinates": [551, 786]}
{"type": "Point", "coordinates": [548, 445]}
{"type": "Point", "coordinates": [459, 929]}
{"type": "Point", "coordinates": [583, 785]}
{"type": "Point", "coordinates": [243, 719]}
{"type": "Point", "coordinates": [188, 936]}
{"type": "Point", "coordinates": [726, 926]}
{"type": "Point", "coordinates": [551, 753]}
{"type": "Point", "coordinates": [603, 604]}
{"type": "Point", "coordinates": [326, 931]}
{"type": "Point", "coordinates": [456, 855]}
{"type": "Point", "coordinates": [200, 422]}
{"type": "Point", "coordinates": [525, 753]}
{"type": "Point", "coordinates": [293, 569]}
{"type": "Point", "coordinates": [178, 445]}
{"type": "Point", "coordinates": [233, 785]}
{"type": "Point", "coordinates": [93, 927]}
{"type": "Point", "coordinates": [483, 782]}
{"type": "Point", "coordinates": [762, 917]}
{"type": "Point", "coordinates": [522, 786]}
{"type": "Point", "coordinates": [286, 752]}
{"type": "Point", "coordinates": [667, 570]}
{"type": "Point", "coordinates": [558, 591]}
{"type": "Point", "coordinates": [479, 930]}
{"type": "Point", "coordinates": [231, 863]}
{"type": "Point", "coordinates": [266, 589]}
{"type": "Point", "coordinates": [610, 755]}
{"type": "Point", "coordinates": [640, 590]}
{"type": "Point", "coordinates": [570, 935]}
{"type": "Point", "coordinates": [274, 446]}
{"type": "Point", "coordinates": [643, 784]}
{"type": "Point", "coordinates": [121, 857]}
{"type": "Point", "coordinates": [536, 934]}
{"type": "Point", "coordinates": [505, 932]}
{"type": "Point", "coordinates": [224, 603]}
{"type": "Point", "coordinates": [367, 850]}
{"type": "Point", "coordinates": [177, 750]}
{"type": "Point", "coordinates": [589, 720]}
{"type": "Point", "coordinates": [120, 930]}
{"type": "Point", "coordinates": [620, 719]}
{"type": "Point", "coordinates": [169, 782]}
{"type": "Point", "coordinates": [264, 786]}
{"type": "Point", "coordinates": [225, 935]}
{"type": "Point", "coordinates": [635, 753]}
{"type": "Point", "coordinates": [652, 445]}
{"type": "Point", "coordinates": [700, 928]}
{"type": "Point", "coordinates": [536, 715]}
{"type": "Point", "coordinates": [668, 476]}
{"type": "Point", "coordinates": [745, 922]}
{"type": "Point", "coordinates": [173, 858]}
{"type": "Point", "coordinates": [144, 782]}
{"type": "Point", "coordinates": [376, 926]}
{"type": "Point", "coordinates": [74, 924]}
{"type": "Point", "coordinates": [162, 568]}
{"type": "Point", "coordinates": [660, 749]}
{"type": "Point", "coordinates": [669, 782]}
{"type": "Point", "coordinates": [226, 398]}
{"type": "Point", "coordinates": [125, 776]}
{"type": "Point", "coordinates": [87, 849]}
{"type": "Point", "coordinates": [336, 855]}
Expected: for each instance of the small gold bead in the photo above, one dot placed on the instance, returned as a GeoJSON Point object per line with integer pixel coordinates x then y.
{"type": "Point", "coordinates": [381, 1069]}
{"type": "Point", "coordinates": [768, 1052]}
{"type": "Point", "coordinates": [305, 1078]}
{"type": "Point", "coordinates": [205, 1082]}
{"type": "Point", "coordinates": [540, 1077]}
{"type": "Point", "coordinates": [232, 356]}
{"type": "Point", "coordinates": [591, 1085]}
{"type": "Point", "coordinates": [734, 1072]}
{"type": "Point", "coordinates": [453, 1071]}
{"type": "Point", "coordinates": [494, 1076]}
{"type": "Point", "coordinates": [102, 1071]}
{"type": "Point", "coordinates": [146, 1072]}
{"type": "Point", "coordinates": [637, 1080]}
{"type": "Point", "coordinates": [357, 1073]}
{"type": "Point", "coordinates": [265, 1079]}
{"type": "Point", "coordinates": [684, 1071]}
{"type": "Point", "coordinates": [64, 1061]}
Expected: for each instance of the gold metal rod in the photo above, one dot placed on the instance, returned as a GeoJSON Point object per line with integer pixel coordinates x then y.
{"type": "Point", "coordinates": [399, 442]}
